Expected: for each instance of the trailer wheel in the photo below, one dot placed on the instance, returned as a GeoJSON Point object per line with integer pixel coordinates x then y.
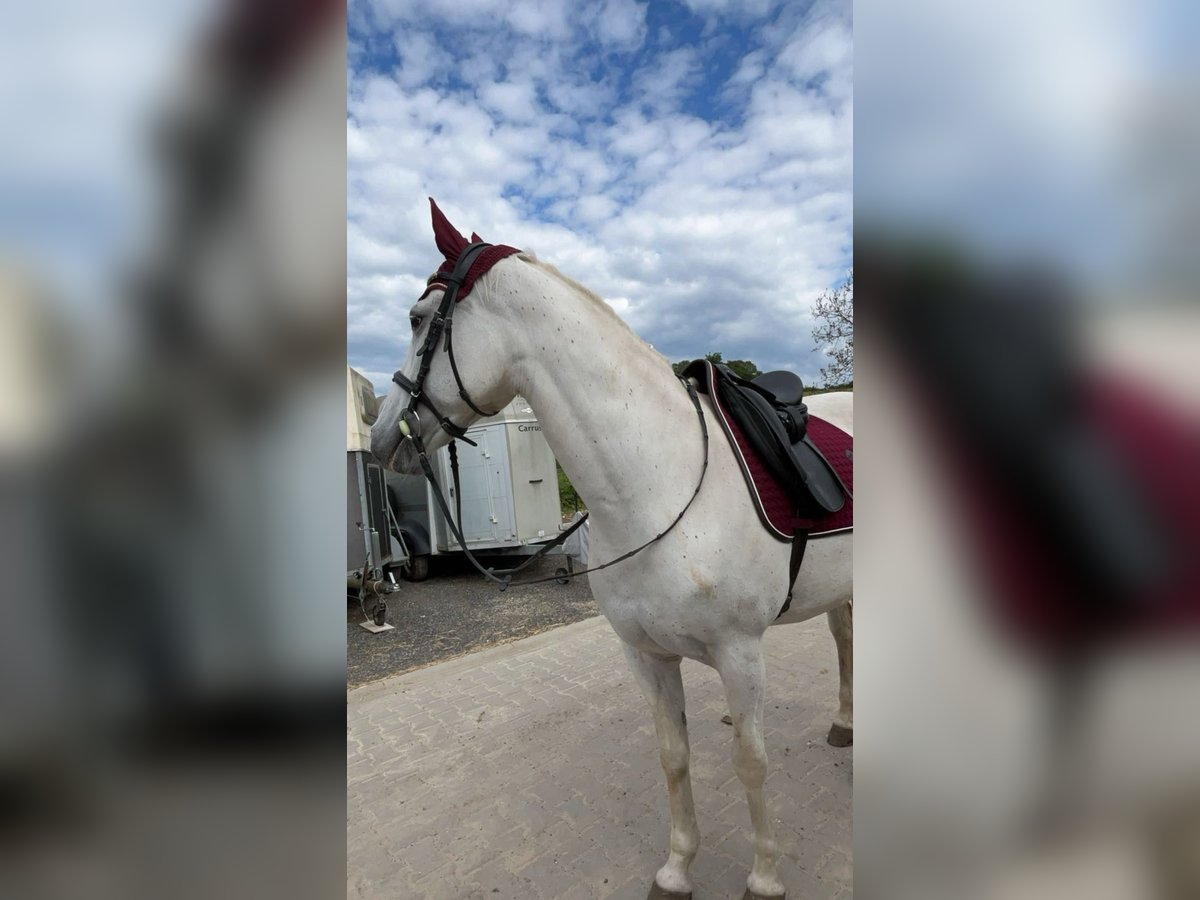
{"type": "Point", "coordinates": [380, 617]}
{"type": "Point", "coordinates": [561, 576]}
{"type": "Point", "coordinates": [418, 567]}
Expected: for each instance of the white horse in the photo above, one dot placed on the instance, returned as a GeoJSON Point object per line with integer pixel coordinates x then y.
{"type": "Point", "coordinates": [628, 436]}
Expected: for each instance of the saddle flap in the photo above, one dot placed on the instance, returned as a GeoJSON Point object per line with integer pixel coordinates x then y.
{"type": "Point", "coordinates": [822, 482]}
{"type": "Point", "coordinates": [798, 465]}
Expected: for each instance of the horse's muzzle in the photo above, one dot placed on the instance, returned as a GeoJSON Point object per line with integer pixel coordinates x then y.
{"type": "Point", "coordinates": [385, 441]}
{"type": "Point", "coordinates": [405, 460]}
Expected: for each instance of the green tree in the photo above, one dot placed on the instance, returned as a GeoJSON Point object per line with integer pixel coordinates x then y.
{"type": "Point", "coordinates": [568, 498]}
{"type": "Point", "coordinates": [743, 367]}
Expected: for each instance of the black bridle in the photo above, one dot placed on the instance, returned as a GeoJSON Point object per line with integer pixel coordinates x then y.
{"type": "Point", "coordinates": [410, 429]}
{"type": "Point", "coordinates": [442, 321]}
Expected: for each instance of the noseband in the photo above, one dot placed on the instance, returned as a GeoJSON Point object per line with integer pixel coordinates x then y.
{"type": "Point", "coordinates": [443, 319]}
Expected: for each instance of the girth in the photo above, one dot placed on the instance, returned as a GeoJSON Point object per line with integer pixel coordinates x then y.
{"type": "Point", "coordinates": [771, 415]}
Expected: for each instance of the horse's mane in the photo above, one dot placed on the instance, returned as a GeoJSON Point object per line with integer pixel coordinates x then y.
{"type": "Point", "coordinates": [530, 257]}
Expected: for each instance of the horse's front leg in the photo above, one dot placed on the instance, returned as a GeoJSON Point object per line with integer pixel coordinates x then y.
{"type": "Point", "coordinates": [744, 674]}
{"type": "Point", "coordinates": [841, 623]}
{"type": "Point", "coordinates": [662, 685]}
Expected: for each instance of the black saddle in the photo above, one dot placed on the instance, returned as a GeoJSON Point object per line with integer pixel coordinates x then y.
{"type": "Point", "coordinates": [771, 413]}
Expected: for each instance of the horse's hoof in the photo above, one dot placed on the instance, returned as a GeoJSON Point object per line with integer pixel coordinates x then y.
{"type": "Point", "coordinates": [657, 893]}
{"type": "Point", "coordinates": [840, 735]}
{"type": "Point", "coordinates": [750, 895]}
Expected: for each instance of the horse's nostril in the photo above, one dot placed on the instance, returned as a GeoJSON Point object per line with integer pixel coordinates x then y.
{"type": "Point", "coordinates": [383, 444]}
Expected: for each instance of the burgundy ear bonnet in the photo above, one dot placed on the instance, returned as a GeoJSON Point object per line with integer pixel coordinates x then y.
{"type": "Point", "coordinates": [451, 243]}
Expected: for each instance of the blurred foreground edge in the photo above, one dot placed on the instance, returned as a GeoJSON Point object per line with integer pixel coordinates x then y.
{"type": "Point", "coordinates": [1040, 518]}
{"type": "Point", "coordinates": [173, 650]}
{"type": "Point", "coordinates": [1078, 487]}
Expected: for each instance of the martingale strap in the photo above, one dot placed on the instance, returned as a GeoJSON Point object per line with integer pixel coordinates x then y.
{"type": "Point", "coordinates": [799, 545]}
{"type": "Point", "coordinates": [457, 486]}
{"type": "Point", "coordinates": [503, 577]}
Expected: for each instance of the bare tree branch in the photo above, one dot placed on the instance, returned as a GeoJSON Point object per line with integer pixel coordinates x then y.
{"type": "Point", "coordinates": [834, 332]}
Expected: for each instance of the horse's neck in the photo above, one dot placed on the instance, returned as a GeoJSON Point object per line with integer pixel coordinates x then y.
{"type": "Point", "coordinates": [618, 421]}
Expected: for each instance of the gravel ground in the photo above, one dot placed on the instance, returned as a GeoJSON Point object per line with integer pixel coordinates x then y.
{"type": "Point", "coordinates": [456, 611]}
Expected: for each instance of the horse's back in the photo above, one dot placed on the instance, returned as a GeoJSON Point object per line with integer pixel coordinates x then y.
{"type": "Point", "coordinates": [835, 407]}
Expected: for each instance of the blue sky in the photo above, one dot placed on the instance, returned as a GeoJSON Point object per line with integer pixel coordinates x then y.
{"type": "Point", "coordinates": [690, 162]}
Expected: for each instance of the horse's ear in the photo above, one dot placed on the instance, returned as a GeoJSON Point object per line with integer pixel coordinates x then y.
{"type": "Point", "coordinates": [476, 239]}
{"type": "Point", "coordinates": [448, 238]}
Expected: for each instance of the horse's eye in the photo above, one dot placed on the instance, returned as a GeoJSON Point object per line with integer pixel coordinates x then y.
{"type": "Point", "coordinates": [416, 322]}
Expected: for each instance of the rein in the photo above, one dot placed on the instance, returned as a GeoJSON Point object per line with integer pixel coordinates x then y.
{"type": "Point", "coordinates": [410, 429]}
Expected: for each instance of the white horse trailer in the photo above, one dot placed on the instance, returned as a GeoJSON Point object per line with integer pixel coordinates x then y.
{"type": "Point", "coordinates": [373, 550]}
{"type": "Point", "coordinates": [509, 483]}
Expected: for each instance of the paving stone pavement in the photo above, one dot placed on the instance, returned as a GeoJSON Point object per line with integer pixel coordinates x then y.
{"type": "Point", "coordinates": [530, 770]}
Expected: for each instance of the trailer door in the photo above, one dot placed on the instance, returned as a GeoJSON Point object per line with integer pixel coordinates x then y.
{"type": "Point", "coordinates": [487, 507]}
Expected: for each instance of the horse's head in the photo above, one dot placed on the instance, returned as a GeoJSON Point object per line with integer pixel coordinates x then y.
{"type": "Point", "coordinates": [456, 371]}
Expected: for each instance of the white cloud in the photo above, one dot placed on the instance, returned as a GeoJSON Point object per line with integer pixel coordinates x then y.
{"type": "Point", "coordinates": [705, 231]}
{"type": "Point", "coordinates": [420, 57]}
{"type": "Point", "coordinates": [750, 69]}
{"type": "Point", "coordinates": [621, 23]}
{"type": "Point", "coordinates": [662, 85]}
{"type": "Point", "coordinates": [511, 101]}
{"type": "Point", "coordinates": [538, 18]}
{"type": "Point", "coordinates": [822, 50]}
{"type": "Point", "coordinates": [746, 8]}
